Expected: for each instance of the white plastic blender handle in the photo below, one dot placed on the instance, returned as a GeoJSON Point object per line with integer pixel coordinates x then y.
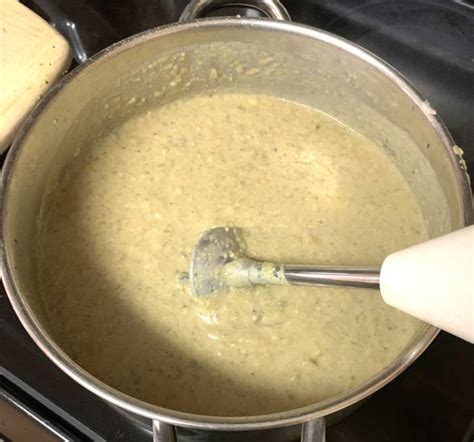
{"type": "Point", "coordinates": [434, 281]}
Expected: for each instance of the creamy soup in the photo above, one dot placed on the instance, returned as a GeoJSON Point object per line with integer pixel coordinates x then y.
{"type": "Point", "coordinates": [119, 232]}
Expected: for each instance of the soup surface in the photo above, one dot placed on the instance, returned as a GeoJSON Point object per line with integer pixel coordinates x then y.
{"type": "Point", "coordinates": [120, 229]}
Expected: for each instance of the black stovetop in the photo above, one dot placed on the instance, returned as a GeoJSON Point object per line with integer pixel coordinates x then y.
{"type": "Point", "coordinates": [432, 43]}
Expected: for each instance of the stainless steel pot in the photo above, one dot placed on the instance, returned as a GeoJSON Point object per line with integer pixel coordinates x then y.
{"type": "Point", "coordinates": [265, 56]}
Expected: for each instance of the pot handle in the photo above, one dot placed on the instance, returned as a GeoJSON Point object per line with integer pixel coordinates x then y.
{"type": "Point", "coordinates": [64, 26]}
{"type": "Point", "coordinates": [163, 432]}
{"type": "Point", "coordinates": [201, 8]}
{"type": "Point", "coordinates": [314, 430]}
{"type": "Point", "coordinates": [311, 431]}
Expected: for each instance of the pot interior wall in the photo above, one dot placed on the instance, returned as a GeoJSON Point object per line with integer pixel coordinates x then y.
{"type": "Point", "coordinates": [150, 71]}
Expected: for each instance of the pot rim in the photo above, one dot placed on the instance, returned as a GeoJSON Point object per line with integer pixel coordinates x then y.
{"type": "Point", "coordinates": [135, 406]}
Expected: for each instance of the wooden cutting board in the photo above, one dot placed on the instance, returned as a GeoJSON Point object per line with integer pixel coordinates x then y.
{"type": "Point", "coordinates": [32, 57]}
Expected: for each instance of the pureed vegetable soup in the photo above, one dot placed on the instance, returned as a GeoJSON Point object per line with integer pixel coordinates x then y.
{"type": "Point", "coordinates": [303, 188]}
